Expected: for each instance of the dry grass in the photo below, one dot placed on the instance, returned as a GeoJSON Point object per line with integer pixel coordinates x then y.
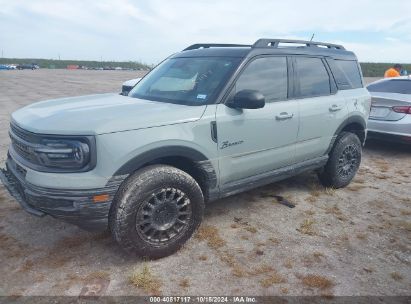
{"type": "Point", "coordinates": [315, 193]}
{"type": "Point", "coordinates": [27, 266]}
{"type": "Point", "coordinates": [330, 191]}
{"type": "Point", "coordinates": [306, 227]}
{"type": "Point", "coordinates": [284, 290]}
{"type": "Point", "coordinates": [318, 255]}
{"type": "Point", "coordinates": [211, 235]}
{"type": "Point", "coordinates": [274, 240]}
{"type": "Point", "coordinates": [231, 262]}
{"type": "Point", "coordinates": [361, 236]}
{"type": "Point", "coordinates": [184, 283]}
{"type": "Point", "coordinates": [288, 264]}
{"type": "Point", "coordinates": [405, 212]}
{"type": "Point", "coordinates": [251, 229]}
{"type": "Point", "coordinates": [396, 276]}
{"type": "Point", "coordinates": [309, 212]}
{"type": "Point", "coordinates": [359, 181]}
{"type": "Point", "coordinates": [145, 280]}
{"type": "Point", "coordinates": [315, 257]}
{"type": "Point", "coordinates": [262, 269]}
{"type": "Point", "coordinates": [312, 199]}
{"type": "Point", "coordinates": [317, 281]}
{"type": "Point", "coordinates": [98, 275]}
{"type": "Point", "coordinates": [355, 187]}
{"type": "Point", "coordinates": [272, 279]}
{"type": "Point", "coordinates": [203, 258]}
{"type": "Point", "coordinates": [404, 225]}
{"type": "Point", "coordinates": [334, 210]}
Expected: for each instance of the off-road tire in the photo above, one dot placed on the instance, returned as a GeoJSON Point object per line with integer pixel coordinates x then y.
{"type": "Point", "coordinates": [136, 198]}
{"type": "Point", "coordinates": [343, 163]}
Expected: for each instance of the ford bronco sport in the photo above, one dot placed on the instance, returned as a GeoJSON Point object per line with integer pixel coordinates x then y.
{"type": "Point", "coordinates": [208, 122]}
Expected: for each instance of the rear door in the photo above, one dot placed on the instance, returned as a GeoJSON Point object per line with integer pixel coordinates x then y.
{"type": "Point", "coordinates": [321, 110]}
{"type": "Point", "coordinates": [255, 141]}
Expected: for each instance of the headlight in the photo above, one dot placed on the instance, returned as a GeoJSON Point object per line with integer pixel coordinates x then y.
{"type": "Point", "coordinates": [53, 153]}
{"type": "Point", "coordinates": [63, 153]}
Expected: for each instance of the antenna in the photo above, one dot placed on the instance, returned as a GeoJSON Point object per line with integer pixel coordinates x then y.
{"type": "Point", "coordinates": [312, 37]}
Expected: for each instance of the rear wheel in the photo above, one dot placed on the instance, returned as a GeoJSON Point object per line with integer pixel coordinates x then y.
{"type": "Point", "coordinates": [343, 163]}
{"type": "Point", "coordinates": [156, 211]}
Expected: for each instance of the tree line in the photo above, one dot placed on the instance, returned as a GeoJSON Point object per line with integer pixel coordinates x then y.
{"type": "Point", "coordinates": [369, 69]}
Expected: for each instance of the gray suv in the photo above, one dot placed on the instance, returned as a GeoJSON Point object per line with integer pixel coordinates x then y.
{"type": "Point", "coordinates": [208, 122]}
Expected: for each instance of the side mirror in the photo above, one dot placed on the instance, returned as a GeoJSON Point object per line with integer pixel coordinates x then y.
{"type": "Point", "coordinates": [247, 99]}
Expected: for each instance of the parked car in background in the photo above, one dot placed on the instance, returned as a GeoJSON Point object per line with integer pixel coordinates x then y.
{"type": "Point", "coordinates": [30, 66]}
{"type": "Point", "coordinates": [7, 67]}
{"type": "Point", "coordinates": [128, 85]}
{"type": "Point", "coordinates": [390, 116]}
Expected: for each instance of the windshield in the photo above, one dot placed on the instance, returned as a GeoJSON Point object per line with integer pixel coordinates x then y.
{"type": "Point", "coordinates": [187, 81]}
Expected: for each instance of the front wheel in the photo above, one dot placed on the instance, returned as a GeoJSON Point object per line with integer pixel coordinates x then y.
{"type": "Point", "coordinates": [156, 210]}
{"type": "Point", "coordinates": [343, 163]}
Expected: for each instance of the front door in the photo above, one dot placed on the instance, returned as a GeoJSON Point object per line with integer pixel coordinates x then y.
{"type": "Point", "coordinates": [255, 141]}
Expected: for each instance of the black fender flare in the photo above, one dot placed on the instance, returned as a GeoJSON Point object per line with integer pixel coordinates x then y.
{"type": "Point", "coordinates": [357, 119]}
{"type": "Point", "coordinates": [200, 161]}
{"type": "Point", "coordinates": [157, 153]}
{"type": "Point", "coordinates": [352, 119]}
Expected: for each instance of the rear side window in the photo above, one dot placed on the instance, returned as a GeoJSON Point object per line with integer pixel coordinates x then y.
{"type": "Point", "coordinates": [267, 75]}
{"type": "Point", "coordinates": [351, 72]}
{"type": "Point", "coordinates": [313, 77]}
{"type": "Point", "coordinates": [391, 86]}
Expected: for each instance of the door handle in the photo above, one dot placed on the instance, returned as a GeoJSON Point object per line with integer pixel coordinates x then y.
{"type": "Point", "coordinates": [283, 116]}
{"type": "Point", "coordinates": [335, 108]}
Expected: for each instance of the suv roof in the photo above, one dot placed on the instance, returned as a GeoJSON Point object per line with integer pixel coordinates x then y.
{"type": "Point", "coordinates": [268, 47]}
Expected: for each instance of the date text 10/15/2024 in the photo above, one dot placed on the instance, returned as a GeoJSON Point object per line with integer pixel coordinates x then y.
{"type": "Point", "coordinates": [203, 299]}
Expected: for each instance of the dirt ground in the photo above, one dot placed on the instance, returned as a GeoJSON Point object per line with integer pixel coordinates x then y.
{"type": "Point", "coordinates": [352, 241]}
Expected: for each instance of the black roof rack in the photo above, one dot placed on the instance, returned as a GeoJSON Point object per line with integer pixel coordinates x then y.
{"type": "Point", "coordinates": [261, 43]}
{"type": "Point", "coordinates": [209, 45]}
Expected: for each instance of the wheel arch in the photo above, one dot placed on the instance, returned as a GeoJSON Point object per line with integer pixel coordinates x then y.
{"type": "Point", "coordinates": [184, 158]}
{"type": "Point", "coordinates": [354, 124]}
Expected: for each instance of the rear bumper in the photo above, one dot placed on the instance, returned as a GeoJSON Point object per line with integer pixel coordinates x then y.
{"type": "Point", "coordinates": [405, 139]}
{"type": "Point", "coordinates": [398, 131]}
{"type": "Point", "coordinates": [73, 206]}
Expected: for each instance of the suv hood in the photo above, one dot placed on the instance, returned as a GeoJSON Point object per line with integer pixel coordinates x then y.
{"type": "Point", "coordinates": [102, 113]}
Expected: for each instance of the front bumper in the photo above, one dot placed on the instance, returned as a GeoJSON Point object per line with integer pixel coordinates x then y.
{"type": "Point", "coordinates": [73, 206]}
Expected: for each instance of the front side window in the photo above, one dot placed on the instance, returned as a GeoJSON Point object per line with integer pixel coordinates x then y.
{"type": "Point", "coordinates": [266, 75]}
{"type": "Point", "coordinates": [402, 86]}
{"type": "Point", "coordinates": [187, 81]}
{"type": "Point", "coordinates": [313, 77]}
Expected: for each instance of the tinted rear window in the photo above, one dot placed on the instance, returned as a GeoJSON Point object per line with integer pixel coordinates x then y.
{"type": "Point", "coordinates": [391, 86]}
{"type": "Point", "coordinates": [351, 72]}
{"type": "Point", "coordinates": [313, 77]}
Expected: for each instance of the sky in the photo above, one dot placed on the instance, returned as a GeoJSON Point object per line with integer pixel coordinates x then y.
{"type": "Point", "coordinates": [150, 30]}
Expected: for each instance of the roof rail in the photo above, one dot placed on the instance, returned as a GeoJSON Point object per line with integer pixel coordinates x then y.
{"type": "Point", "coordinates": [208, 45]}
{"type": "Point", "coordinates": [261, 43]}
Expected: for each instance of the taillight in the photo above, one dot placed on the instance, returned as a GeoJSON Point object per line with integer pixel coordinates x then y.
{"type": "Point", "coordinates": [402, 109]}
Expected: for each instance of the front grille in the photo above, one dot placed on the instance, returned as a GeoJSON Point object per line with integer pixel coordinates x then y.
{"type": "Point", "coordinates": [19, 132]}
{"type": "Point", "coordinates": [23, 143]}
